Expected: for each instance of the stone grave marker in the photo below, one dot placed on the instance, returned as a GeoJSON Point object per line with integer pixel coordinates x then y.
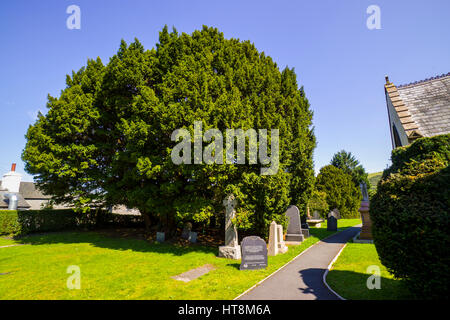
{"type": "Point", "coordinates": [254, 253]}
{"type": "Point", "coordinates": [316, 216]}
{"type": "Point", "coordinates": [231, 249]}
{"type": "Point", "coordinates": [194, 273]}
{"type": "Point", "coordinates": [273, 239]}
{"type": "Point", "coordinates": [160, 236]}
{"type": "Point", "coordinates": [282, 248]}
{"type": "Point", "coordinates": [192, 237]}
{"type": "Point", "coordinates": [332, 221]}
{"type": "Point", "coordinates": [294, 229]}
{"type": "Point", "coordinates": [305, 230]}
{"type": "Point", "coordinates": [186, 229]}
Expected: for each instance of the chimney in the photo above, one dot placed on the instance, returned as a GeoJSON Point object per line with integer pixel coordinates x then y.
{"type": "Point", "coordinates": [11, 180]}
{"type": "Point", "coordinates": [13, 201]}
{"type": "Point", "coordinates": [387, 79]}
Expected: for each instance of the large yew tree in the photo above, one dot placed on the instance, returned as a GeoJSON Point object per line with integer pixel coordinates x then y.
{"type": "Point", "coordinates": [107, 138]}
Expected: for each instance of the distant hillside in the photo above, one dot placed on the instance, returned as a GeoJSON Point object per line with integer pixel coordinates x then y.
{"type": "Point", "coordinates": [374, 178]}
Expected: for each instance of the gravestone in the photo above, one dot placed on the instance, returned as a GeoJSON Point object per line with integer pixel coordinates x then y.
{"type": "Point", "coordinates": [160, 236]}
{"type": "Point", "coordinates": [366, 229]}
{"type": "Point", "coordinates": [332, 221]}
{"type": "Point", "coordinates": [273, 239]}
{"type": "Point", "coordinates": [192, 237]}
{"type": "Point", "coordinates": [316, 216]}
{"type": "Point", "coordinates": [194, 273]}
{"type": "Point", "coordinates": [231, 249]}
{"type": "Point", "coordinates": [365, 194]}
{"type": "Point", "coordinates": [254, 253]}
{"type": "Point", "coordinates": [282, 248]}
{"type": "Point", "coordinates": [186, 229]}
{"type": "Point", "coordinates": [294, 229]}
{"type": "Point", "coordinates": [305, 230]}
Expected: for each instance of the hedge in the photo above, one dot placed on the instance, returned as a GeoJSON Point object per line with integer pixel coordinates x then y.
{"type": "Point", "coordinates": [410, 216]}
{"type": "Point", "coordinates": [19, 222]}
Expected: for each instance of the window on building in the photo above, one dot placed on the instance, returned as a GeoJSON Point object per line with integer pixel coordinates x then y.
{"type": "Point", "coordinates": [397, 142]}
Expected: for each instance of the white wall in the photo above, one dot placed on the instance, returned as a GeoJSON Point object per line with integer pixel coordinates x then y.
{"type": "Point", "coordinates": [11, 181]}
{"type": "Point", "coordinates": [394, 119]}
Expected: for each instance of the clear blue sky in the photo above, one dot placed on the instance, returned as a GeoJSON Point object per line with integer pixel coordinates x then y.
{"type": "Point", "coordinates": [339, 61]}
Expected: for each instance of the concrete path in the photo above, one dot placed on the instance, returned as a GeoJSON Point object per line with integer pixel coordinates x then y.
{"type": "Point", "coordinates": [301, 279]}
{"type": "Point", "coordinates": [13, 245]}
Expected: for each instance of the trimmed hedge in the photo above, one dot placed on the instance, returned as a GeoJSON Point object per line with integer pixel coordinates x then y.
{"type": "Point", "coordinates": [29, 221]}
{"type": "Point", "coordinates": [410, 216]}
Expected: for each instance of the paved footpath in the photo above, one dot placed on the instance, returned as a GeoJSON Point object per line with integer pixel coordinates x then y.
{"type": "Point", "coordinates": [301, 279]}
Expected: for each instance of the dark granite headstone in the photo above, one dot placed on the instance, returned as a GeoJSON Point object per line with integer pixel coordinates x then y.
{"type": "Point", "coordinates": [332, 221]}
{"type": "Point", "coordinates": [305, 230]}
{"type": "Point", "coordinates": [254, 253]}
{"type": "Point", "coordinates": [294, 229]}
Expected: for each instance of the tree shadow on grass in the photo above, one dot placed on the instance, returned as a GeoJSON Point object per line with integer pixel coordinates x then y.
{"type": "Point", "coordinates": [236, 265]}
{"type": "Point", "coordinates": [102, 241]}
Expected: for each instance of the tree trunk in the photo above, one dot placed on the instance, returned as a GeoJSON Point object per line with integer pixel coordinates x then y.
{"type": "Point", "coordinates": [147, 221]}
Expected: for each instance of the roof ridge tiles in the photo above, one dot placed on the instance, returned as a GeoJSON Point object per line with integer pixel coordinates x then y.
{"type": "Point", "coordinates": [425, 80]}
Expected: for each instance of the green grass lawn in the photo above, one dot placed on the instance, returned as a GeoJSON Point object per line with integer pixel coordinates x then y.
{"type": "Point", "coordinates": [374, 178]}
{"type": "Point", "coordinates": [6, 242]}
{"type": "Point", "coordinates": [115, 268]}
{"type": "Point", "coordinates": [348, 276]}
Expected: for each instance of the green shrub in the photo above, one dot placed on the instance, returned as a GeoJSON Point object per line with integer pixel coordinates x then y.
{"type": "Point", "coordinates": [410, 215]}
{"type": "Point", "coordinates": [437, 147]}
{"type": "Point", "coordinates": [318, 202]}
{"type": "Point", "coordinates": [341, 191]}
{"type": "Point", "coordinates": [9, 223]}
{"type": "Point", "coordinates": [29, 221]}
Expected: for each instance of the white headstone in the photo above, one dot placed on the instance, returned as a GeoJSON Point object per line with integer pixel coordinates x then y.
{"type": "Point", "coordinates": [273, 239]}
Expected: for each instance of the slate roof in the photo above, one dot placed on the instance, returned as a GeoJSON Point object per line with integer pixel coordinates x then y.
{"type": "Point", "coordinates": [423, 106]}
{"type": "Point", "coordinates": [29, 191]}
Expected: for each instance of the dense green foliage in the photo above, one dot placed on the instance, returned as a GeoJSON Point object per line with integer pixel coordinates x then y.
{"type": "Point", "coordinates": [341, 191]}
{"type": "Point", "coordinates": [349, 164]}
{"type": "Point", "coordinates": [9, 222]}
{"type": "Point", "coordinates": [23, 222]}
{"type": "Point", "coordinates": [318, 202]}
{"type": "Point", "coordinates": [107, 139]}
{"type": "Point", "coordinates": [411, 215]}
